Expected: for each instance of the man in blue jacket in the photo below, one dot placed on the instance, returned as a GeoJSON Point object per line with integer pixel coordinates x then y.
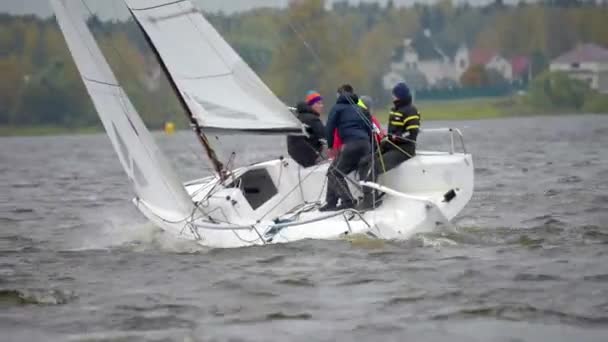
{"type": "Point", "coordinates": [354, 128]}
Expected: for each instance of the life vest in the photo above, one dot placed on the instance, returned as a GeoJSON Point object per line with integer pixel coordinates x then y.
{"type": "Point", "coordinates": [361, 104]}
{"type": "Point", "coordinates": [404, 121]}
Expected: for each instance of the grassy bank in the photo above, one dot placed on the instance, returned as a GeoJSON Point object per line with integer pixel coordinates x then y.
{"type": "Point", "coordinates": [469, 109]}
{"type": "Point", "coordinates": [480, 108]}
{"type": "Point", "coordinates": [488, 108]}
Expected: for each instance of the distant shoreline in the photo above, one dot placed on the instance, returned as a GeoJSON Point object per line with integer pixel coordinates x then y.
{"type": "Point", "coordinates": [46, 130]}
{"type": "Point", "coordinates": [469, 109]}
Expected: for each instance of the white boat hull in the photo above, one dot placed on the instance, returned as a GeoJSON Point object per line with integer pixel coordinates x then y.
{"type": "Point", "coordinates": [242, 215]}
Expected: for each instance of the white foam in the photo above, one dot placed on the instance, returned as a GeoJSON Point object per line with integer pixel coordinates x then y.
{"type": "Point", "coordinates": [114, 230]}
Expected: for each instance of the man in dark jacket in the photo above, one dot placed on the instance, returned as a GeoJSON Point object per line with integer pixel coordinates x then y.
{"type": "Point", "coordinates": [354, 128]}
{"type": "Point", "coordinates": [307, 151]}
{"type": "Point", "coordinates": [400, 143]}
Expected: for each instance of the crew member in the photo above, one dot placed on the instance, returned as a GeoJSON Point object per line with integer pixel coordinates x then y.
{"type": "Point", "coordinates": [355, 132]}
{"type": "Point", "coordinates": [365, 103]}
{"type": "Point", "coordinates": [400, 143]}
{"type": "Point", "coordinates": [308, 150]}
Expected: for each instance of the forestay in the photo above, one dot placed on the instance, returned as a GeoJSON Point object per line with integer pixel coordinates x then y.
{"type": "Point", "coordinates": [219, 88]}
{"type": "Point", "coordinates": [155, 182]}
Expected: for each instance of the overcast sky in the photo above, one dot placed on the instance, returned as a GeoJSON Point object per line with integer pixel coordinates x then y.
{"type": "Point", "coordinates": [108, 8]}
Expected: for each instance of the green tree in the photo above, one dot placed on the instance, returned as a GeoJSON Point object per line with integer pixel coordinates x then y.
{"type": "Point", "coordinates": [11, 85]}
{"type": "Point", "coordinates": [557, 90]}
{"type": "Point", "coordinates": [375, 51]}
{"type": "Point", "coordinates": [6, 41]}
{"type": "Point", "coordinates": [317, 52]}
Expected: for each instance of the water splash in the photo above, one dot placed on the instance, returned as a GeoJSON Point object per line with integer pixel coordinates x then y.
{"type": "Point", "coordinates": [136, 236]}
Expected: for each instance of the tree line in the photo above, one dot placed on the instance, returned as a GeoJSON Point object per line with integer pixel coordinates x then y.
{"type": "Point", "coordinates": [302, 47]}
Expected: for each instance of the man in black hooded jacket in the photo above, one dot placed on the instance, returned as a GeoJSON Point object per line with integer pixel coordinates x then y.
{"type": "Point", "coordinates": [400, 143]}
{"type": "Point", "coordinates": [307, 151]}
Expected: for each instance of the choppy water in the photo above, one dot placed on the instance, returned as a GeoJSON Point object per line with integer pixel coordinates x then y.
{"type": "Point", "coordinates": [527, 260]}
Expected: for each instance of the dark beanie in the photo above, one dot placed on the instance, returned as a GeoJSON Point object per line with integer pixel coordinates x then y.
{"type": "Point", "coordinates": [402, 92]}
{"type": "Point", "coordinates": [346, 88]}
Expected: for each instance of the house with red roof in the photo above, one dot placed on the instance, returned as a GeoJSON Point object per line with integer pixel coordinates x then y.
{"type": "Point", "coordinates": [481, 56]}
{"type": "Point", "coordinates": [586, 62]}
{"type": "Point", "coordinates": [514, 69]}
{"type": "Point", "coordinates": [492, 60]}
{"type": "Point", "coordinates": [426, 65]}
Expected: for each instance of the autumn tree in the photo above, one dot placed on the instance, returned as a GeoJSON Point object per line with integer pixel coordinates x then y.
{"type": "Point", "coordinates": [317, 51]}
{"type": "Point", "coordinates": [11, 85]}
{"type": "Point", "coordinates": [475, 76]}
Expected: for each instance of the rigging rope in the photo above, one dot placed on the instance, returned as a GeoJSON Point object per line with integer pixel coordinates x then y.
{"type": "Point", "coordinates": [290, 191]}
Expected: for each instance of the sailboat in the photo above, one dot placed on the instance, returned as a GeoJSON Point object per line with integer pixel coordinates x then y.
{"type": "Point", "coordinates": [273, 201]}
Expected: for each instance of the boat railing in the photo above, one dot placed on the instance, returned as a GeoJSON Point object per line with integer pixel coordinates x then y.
{"type": "Point", "coordinates": [347, 216]}
{"type": "Point", "coordinates": [270, 231]}
{"type": "Point", "coordinates": [451, 131]}
{"type": "Point", "coordinates": [321, 218]}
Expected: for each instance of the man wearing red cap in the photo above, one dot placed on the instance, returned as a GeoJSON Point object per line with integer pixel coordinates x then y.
{"type": "Point", "coordinates": [307, 151]}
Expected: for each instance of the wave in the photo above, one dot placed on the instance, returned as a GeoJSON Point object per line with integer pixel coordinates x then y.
{"type": "Point", "coordinates": [274, 316]}
{"type": "Point", "coordinates": [522, 312]}
{"type": "Point", "coordinates": [551, 232]}
{"type": "Point", "coordinates": [597, 277]}
{"type": "Point", "coordinates": [13, 297]}
{"type": "Point", "coordinates": [569, 180]}
{"type": "Point", "coordinates": [535, 277]}
{"type": "Point", "coordinates": [297, 282]}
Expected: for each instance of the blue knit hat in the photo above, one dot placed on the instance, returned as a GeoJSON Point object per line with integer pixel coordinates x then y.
{"type": "Point", "coordinates": [402, 92]}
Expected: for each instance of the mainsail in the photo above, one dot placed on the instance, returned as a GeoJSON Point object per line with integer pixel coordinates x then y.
{"type": "Point", "coordinates": [219, 88]}
{"type": "Point", "coordinates": [155, 182]}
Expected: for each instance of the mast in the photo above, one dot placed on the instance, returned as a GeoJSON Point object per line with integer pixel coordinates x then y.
{"type": "Point", "coordinates": [202, 138]}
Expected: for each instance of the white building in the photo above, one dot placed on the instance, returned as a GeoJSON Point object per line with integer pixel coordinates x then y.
{"type": "Point", "coordinates": [502, 66]}
{"type": "Point", "coordinates": [431, 69]}
{"type": "Point", "coordinates": [587, 62]}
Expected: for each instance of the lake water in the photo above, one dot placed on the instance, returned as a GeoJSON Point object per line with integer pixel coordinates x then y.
{"type": "Point", "coordinates": [527, 259]}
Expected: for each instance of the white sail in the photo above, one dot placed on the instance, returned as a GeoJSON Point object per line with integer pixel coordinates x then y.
{"type": "Point", "coordinates": [219, 88]}
{"type": "Point", "coordinates": [155, 182]}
